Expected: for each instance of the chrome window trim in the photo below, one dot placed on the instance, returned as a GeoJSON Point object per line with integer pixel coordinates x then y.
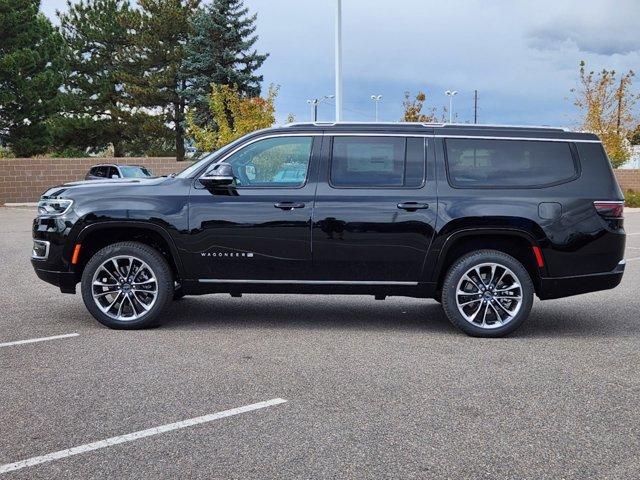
{"type": "Point", "coordinates": [46, 250]}
{"type": "Point", "coordinates": [304, 282]}
{"type": "Point", "coordinates": [532, 139]}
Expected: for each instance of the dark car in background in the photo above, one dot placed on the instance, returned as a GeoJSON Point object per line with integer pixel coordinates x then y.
{"type": "Point", "coordinates": [479, 218]}
{"type": "Point", "coordinates": [111, 171]}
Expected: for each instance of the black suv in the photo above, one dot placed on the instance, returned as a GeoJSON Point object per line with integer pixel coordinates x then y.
{"type": "Point", "coordinates": [477, 217]}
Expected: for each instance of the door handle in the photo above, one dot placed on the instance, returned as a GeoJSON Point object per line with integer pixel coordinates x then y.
{"type": "Point", "coordinates": [289, 205]}
{"type": "Point", "coordinates": [413, 206]}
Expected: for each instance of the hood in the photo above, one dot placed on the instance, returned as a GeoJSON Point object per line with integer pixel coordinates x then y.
{"type": "Point", "coordinates": [87, 186]}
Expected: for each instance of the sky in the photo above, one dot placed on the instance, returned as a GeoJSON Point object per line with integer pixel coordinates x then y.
{"type": "Point", "coordinates": [521, 55]}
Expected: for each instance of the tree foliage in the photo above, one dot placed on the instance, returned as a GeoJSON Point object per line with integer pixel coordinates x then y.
{"type": "Point", "coordinates": [412, 109]}
{"type": "Point", "coordinates": [606, 104]}
{"type": "Point", "coordinates": [220, 50]}
{"type": "Point", "coordinates": [30, 65]}
{"type": "Point", "coordinates": [97, 111]}
{"type": "Point", "coordinates": [159, 31]}
{"type": "Point", "coordinates": [233, 115]}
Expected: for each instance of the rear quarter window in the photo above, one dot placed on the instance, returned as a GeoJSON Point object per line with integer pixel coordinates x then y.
{"type": "Point", "coordinates": [481, 163]}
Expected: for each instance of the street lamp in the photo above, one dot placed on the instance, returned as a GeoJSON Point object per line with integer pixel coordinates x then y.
{"type": "Point", "coordinates": [314, 102]}
{"type": "Point", "coordinates": [338, 59]}
{"type": "Point", "coordinates": [376, 99]}
{"type": "Point", "coordinates": [451, 94]}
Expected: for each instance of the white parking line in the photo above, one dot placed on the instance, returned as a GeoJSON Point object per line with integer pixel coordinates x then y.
{"type": "Point", "coordinates": [129, 437]}
{"type": "Point", "coordinates": [632, 259]}
{"type": "Point", "coordinates": [42, 339]}
{"type": "Point", "coordinates": [632, 234]}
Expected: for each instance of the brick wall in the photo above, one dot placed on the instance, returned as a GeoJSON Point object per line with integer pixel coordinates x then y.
{"type": "Point", "coordinates": [628, 179]}
{"type": "Point", "coordinates": [24, 179]}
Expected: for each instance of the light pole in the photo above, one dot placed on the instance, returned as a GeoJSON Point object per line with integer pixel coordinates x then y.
{"type": "Point", "coordinates": [338, 59]}
{"type": "Point", "coordinates": [376, 99]}
{"type": "Point", "coordinates": [314, 102]}
{"type": "Point", "coordinates": [451, 94]}
{"type": "Point", "coordinates": [314, 108]}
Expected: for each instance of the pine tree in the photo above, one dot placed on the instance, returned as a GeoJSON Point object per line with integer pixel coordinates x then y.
{"type": "Point", "coordinates": [96, 112]}
{"type": "Point", "coordinates": [30, 65]}
{"type": "Point", "coordinates": [160, 30]}
{"type": "Point", "coordinates": [220, 51]}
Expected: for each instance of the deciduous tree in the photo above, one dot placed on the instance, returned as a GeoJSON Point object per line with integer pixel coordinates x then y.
{"type": "Point", "coordinates": [233, 115]}
{"type": "Point", "coordinates": [412, 109]}
{"type": "Point", "coordinates": [606, 104]}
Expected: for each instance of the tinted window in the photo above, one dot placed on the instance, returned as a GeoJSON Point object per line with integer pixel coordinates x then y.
{"type": "Point", "coordinates": [377, 162]}
{"type": "Point", "coordinates": [99, 172]}
{"type": "Point", "coordinates": [280, 161]}
{"type": "Point", "coordinates": [508, 163]}
{"type": "Point", "coordinates": [134, 172]}
{"type": "Point", "coordinates": [113, 173]}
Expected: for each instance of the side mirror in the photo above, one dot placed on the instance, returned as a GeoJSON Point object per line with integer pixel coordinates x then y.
{"type": "Point", "coordinates": [115, 175]}
{"type": "Point", "coordinates": [219, 176]}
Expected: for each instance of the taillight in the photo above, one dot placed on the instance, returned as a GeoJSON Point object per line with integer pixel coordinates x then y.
{"type": "Point", "coordinates": [609, 209]}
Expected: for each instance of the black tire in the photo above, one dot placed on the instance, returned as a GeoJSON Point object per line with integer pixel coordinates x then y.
{"type": "Point", "coordinates": [160, 269]}
{"type": "Point", "coordinates": [454, 277]}
{"type": "Point", "coordinates": [178, 294]}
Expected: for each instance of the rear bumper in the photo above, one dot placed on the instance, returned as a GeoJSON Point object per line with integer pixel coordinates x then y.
{"type": "Point", "coordinates": [567, 286]}
{"type": "Point", "coordinates": [66, 281]}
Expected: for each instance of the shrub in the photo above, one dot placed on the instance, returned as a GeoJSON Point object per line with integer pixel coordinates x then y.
{"type": "Point", "coordinates": [632, 199]}
{"type": "Point", "coordinates": [5, 152]}
{"type": "Point", "coordinates": [69, 152]}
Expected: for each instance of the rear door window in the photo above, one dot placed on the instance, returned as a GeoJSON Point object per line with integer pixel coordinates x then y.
{"type": "Point", "coordinates": [483, 163]}
{"type": "Point", "coordinates": [377, 162]}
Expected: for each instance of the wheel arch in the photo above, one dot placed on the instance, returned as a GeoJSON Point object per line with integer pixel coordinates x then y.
{"type": "Point", "coordinates": [98, 235]}
{"type": "Point", "coordinates": [516, 242]}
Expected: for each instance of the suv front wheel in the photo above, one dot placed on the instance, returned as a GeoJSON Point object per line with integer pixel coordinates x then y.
{"type": "Point", "coordinates": [127, 285]}
{"type": "Point", "coordinates": [487, 294]}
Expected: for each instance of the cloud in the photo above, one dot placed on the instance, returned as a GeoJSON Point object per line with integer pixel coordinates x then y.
{"type": "Point", "coordinates": [599, 27]}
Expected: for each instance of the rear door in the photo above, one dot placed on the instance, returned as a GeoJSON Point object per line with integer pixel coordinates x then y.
{"type": "Point", "coordinates": [375, 208]}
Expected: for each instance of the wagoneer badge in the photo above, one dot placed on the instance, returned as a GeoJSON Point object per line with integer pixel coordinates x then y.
{"type": "Point", "coordinates": [227, 254]}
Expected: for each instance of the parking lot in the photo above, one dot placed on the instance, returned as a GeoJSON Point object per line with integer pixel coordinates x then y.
{"type": "Point", "coordinates": [373, 389]}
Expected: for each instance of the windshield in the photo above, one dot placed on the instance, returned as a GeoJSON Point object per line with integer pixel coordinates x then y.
{"type": "Point", "coordinates": [134, 172]}
{"type": "Point", "coordinates": [208, 157]}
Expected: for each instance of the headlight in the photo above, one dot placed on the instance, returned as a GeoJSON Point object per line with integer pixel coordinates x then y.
{"type": "Point", "coordinates": [53, 207]}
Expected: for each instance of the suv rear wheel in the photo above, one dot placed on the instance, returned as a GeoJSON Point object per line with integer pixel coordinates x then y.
{"type": "Point", "coordinates": [487, 294]}
{"type": "Point", "coordinates": [127, 285]}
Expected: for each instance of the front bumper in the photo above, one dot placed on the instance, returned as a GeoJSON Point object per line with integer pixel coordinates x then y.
{"type": "Point", "coordinates": [66, 281]}
{"type": "Point", "coordinates": [567, 286]}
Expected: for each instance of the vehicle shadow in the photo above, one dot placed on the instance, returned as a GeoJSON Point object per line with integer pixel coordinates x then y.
{"type": "Point", "coordinates": [362, 312]}
{"type": "Point", "coordinates": [307, 312]}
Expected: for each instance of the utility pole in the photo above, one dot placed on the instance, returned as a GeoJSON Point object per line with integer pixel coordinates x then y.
{"type": "Point", "coordinates": [475, 106]}
{"type": "Point", "coordinates": [338, 59]}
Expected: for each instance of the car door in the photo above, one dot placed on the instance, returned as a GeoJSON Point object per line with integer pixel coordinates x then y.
{"type": "Point", "coordinates": [375, 208]}
{"type": "Point", "coordinates": [259, 228]}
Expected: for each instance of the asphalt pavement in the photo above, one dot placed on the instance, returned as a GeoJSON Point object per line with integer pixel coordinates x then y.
{"type": "Point", "coordinates": [373, 389]}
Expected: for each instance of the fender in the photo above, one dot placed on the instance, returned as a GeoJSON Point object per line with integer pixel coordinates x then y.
{"type": "Point", "coordinates": [478, 231]}
{"type": "Point", "coordinates": [133, 224]}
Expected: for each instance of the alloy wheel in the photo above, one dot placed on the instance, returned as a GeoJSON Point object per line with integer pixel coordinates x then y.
{"type": "Point", "coordinates": [489, 295]}
{"type": "Point", "coordinates": [124, 288]}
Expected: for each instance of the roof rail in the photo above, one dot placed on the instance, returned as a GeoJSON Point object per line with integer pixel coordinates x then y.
{"type": "Point", "coordinates": [431, 125]}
